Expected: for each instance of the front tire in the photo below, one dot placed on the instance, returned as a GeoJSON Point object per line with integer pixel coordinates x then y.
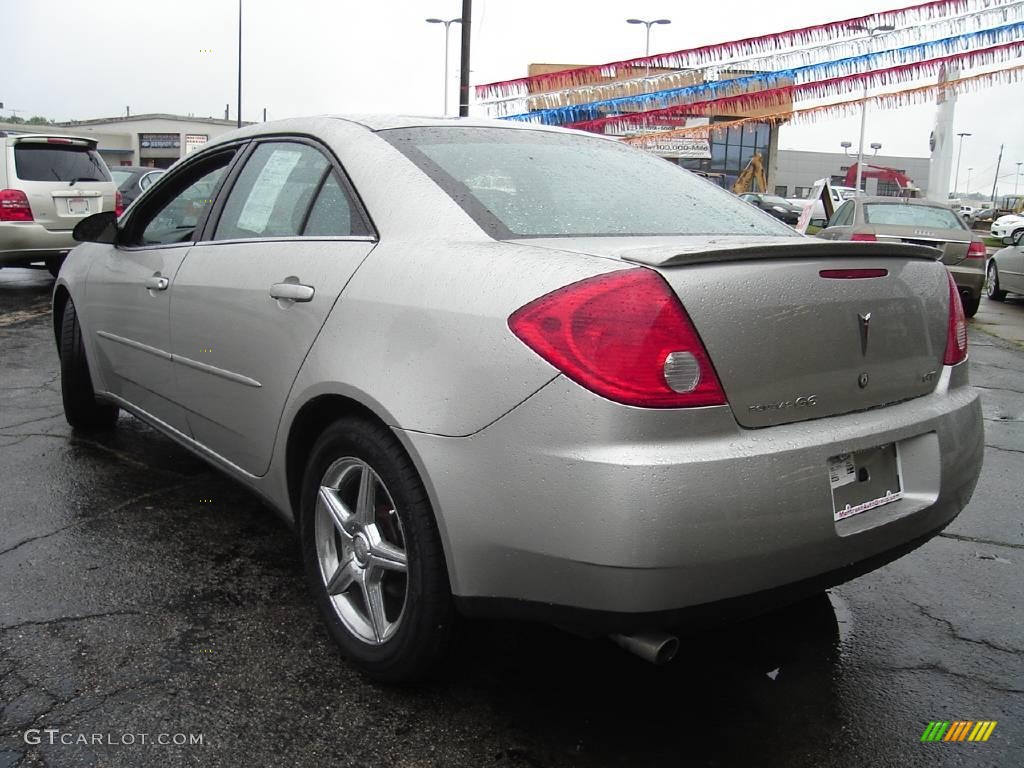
{"type": "Point", "coordinates": [373, 554]}
{"type": "Point", "coordinates": [81, 408]}
{"type": "Point", "coordinates": [992, 283]}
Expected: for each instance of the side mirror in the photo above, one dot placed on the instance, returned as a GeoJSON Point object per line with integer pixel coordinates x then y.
{"type": "Point", "coordinates": [819, 223]}
{"type": "Point", "coordinates": [1008, 240]}
{"type": "Point", "coordinates": [98, 228]}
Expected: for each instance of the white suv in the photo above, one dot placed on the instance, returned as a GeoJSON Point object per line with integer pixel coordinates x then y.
{"type": "Point", "coordinates": [47, 185]}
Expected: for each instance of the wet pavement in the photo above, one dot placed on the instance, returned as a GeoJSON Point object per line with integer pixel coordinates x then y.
{"type": "Point", "coordinates": [143, 593]}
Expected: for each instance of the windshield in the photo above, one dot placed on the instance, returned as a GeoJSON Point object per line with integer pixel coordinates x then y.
{"type": "Point", "coordinates": [56, 162]}
{"type": "Point", "coordinates": [896, 214]}
{"type": "Point", "coordinates": [519, 183]}
{"type": "Point", "coordinates": [772, 199]}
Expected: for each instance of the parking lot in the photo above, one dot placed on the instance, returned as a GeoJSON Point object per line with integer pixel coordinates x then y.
{"type": "Point", "coordinates": [143, 593]}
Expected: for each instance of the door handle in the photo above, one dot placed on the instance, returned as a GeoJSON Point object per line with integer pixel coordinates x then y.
{"type": "Point", "coordinates": [157, 283]}
{"type": "Point", "coordinates": [292, 291]}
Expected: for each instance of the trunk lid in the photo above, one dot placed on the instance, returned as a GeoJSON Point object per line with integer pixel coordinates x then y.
{"type": "Point", "coordinates": [789, 344]}
{"type": "Point", "coordinates": [952, 243]}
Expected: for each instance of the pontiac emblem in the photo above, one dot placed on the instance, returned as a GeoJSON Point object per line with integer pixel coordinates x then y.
{"type": "Point", "coordinates": [865, 327]}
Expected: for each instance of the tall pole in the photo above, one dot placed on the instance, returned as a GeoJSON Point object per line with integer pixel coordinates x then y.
{"type": "Point", "coordinates": [960, 151]}
{"type": "Point", "coordinates": [872, 31]}
{"type": "Point", "coordinates": [969, 180]}
{"type": "Point", "coordinates": [467, 19]}
{"type": "Point", "coordinates": [1016, 179]}
{"type": "Point", "coordinates": [995, 181]}
{"type": "Point", "coordinates": [239, 109]}
{"type": "Point", "coordinates": [860, 144]}
{"type": "Point", "coordinates": [447, 24]}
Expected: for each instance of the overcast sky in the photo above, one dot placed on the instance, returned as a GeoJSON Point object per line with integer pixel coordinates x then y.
{"type": "Point", "coordinates": [314, 56]}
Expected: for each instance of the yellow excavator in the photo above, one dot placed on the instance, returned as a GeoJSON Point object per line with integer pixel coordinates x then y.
{"type": "Point", "coordinates": [754, 172]}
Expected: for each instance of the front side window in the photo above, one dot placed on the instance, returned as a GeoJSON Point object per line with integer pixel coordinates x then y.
{"type": "Point", "coordinates": [58, 162]}
{"type": "Point", "coordinates": [174, 218]}
{"type": "Point", "coordinates": [519, 183]}
{"type": "Point", "coordinates": [843, 216]}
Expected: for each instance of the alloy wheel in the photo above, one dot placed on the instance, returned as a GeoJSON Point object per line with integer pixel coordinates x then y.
{"type": "Point", "coordinates": [361, 550]}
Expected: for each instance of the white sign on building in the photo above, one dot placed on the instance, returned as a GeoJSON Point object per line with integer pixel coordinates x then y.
{"type": "Point", "coordinates": [194, 141]}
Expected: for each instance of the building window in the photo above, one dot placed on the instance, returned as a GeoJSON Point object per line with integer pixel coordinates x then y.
{"type": "Point", "coordinates": [733, 148]}
{"type": "Point", "coordinates": [801, 192]}
{"type": "Point", "coordinates": [888, 188]}
{"type": "Point", "coordinates": [781, 190]}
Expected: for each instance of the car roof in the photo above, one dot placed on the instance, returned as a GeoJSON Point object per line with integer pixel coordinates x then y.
{"type": "Point", "coordinates": [884, 200]}
{"type": "Point", "coordinates": [390, 122]}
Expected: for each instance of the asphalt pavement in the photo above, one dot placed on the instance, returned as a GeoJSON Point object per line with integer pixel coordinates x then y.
{"type": "Point", "coordinates": [146, 598]}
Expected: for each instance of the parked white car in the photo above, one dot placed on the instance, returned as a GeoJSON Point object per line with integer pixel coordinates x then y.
{"type": "Point", "coordinates": [1008, 225]}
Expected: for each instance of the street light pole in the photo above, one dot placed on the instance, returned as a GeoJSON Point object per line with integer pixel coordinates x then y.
{"type": "Point", "coordinates": [239, 107]}
{"type": "Point", "coordinates": [969, 180]}
{"type": "Point", "coordinates": [872, 31]}
{"type": "Point", "coordinates": [1016, 179]}
{"type": "Point", "coordinates": [648, 25]}
{"type": "Point", "coordinates": [956, 181]}
{"type": "Point", "coordinates": [447, 24]}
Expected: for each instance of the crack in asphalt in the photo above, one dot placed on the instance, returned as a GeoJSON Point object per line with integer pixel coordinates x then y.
{"type": "Point", "coordinates": [67, 619]}
{"type": "Point", "coordinates": [100, 516]}
{"type": "Point", "coordinates": [82, 441]}
{"type": "Point", "coordinates": [955, 633]}
{"type": "Point", "coordinates": [973, 540]}
{"type": "Point", "coordinates": [1001, 389]}
{"type": "Point", "coordinates": [933, 667]}
{"type": "Point", "coordinates": [30, 421]}
{"type": "Point", "coordinates": [1008, 450]}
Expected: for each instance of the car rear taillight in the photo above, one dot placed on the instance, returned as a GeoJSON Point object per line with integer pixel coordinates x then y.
{"type": "Point", "coordinates": [624, 336]}
{"type": "Point", "coordinates": [14, 206]}
{"type": "Point", "coordinates": [976, 250]}
{"type": "Point", "coordinates": [956, 336]}
{"type": "Point", "coordinates": [118, 204]}
{"type": "Point", "coordinates": [864, 237]}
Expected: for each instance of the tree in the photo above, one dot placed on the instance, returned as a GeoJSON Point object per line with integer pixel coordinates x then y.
{"type": "Point", "coordinates": [14, 119]}
{"type": "Point", "coordinates": [38, 120]}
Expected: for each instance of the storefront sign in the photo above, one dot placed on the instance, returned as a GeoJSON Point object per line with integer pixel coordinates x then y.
{"type": "Point", "coordinates": [194, 141]}
{"type": "Point", "coordinates": [686, 148]}
{"type": "Point", "coordinates": [159, 140]}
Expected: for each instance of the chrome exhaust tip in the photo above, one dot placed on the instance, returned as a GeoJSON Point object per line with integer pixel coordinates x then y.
{"type": "Point", "coordinates": [656, 647]}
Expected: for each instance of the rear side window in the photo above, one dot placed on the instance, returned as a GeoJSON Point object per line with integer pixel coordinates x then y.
{"type": "Point", "coordinates": [894, 214]}
{"type": "Point", "coordinates": [519, 183]}
{"type": "Point", "coordinates": [332, 212]}
{"type": "Point", "coordinates": [57, 162]}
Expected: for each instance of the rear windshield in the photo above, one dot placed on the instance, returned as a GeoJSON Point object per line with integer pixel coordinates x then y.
{"type": "Point", "coordinates": [895, 214]}
{"type": "Point", "coordinates": [56, 162]}
{"type": "Point", "coordinates": [120, 177]}
{"type": "Point", "coordinates": [519, 183]}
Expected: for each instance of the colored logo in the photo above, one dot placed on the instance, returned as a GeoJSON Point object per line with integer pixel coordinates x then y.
{"type": "Point", "coordinates": [959, 730]}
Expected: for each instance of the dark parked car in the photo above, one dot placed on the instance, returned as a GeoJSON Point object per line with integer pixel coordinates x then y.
{"type": "Point", "coordinates": [777, 206]}
{"type": "Point", "coordinates": [132, 180]}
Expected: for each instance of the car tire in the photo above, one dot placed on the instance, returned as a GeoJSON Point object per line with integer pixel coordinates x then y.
{"type": "Point", "coordinates": [992, 283]}
{"type": "Point", "coordinates": [54, 264]}
{"type": "Point", "coordinates": [1015, 234]}
{"type": "Point", "coordinates": [81, 408]}
{"type": "Point", "coordinates": [410, 636]}
{"type": "Point", "coordinates": [970, 303]}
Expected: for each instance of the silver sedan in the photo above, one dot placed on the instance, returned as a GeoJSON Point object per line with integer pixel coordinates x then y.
{"type": "Point", "coordinates": [497, 370]}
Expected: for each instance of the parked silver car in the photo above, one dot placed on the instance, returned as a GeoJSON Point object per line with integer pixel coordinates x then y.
{"type": "Point", "coordinates": [918, 222]}
{"type": "Point", "coordinates": [500, 370]}
{"type": "Point", "coordinates": [47, 185]}
{"type": "Point", "coordinates": [1005, 272]}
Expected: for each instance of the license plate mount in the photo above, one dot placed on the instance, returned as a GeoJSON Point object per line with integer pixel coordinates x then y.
{"type": "Point", "coordinates": [865, 480]}
{"type": "Point", "coordinates": [78, 205]}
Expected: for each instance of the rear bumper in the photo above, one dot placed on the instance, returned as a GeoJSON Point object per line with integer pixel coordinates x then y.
{"type": "Point", "coordinates": [26, 242]}
{"type": "Point", "coordinates": [586, 507]}
{"type": "Point", "coordinates": [969, 277]}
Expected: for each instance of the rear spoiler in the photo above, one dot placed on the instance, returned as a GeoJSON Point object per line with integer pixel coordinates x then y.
{"type": "Point", "coordinates": [715, 252]}
{"type": "Point", "coordinates": [36, 138]}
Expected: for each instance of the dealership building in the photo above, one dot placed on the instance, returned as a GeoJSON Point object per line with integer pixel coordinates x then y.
{"type": "Point", "coordinates": [795, 171]}
{"type": "Point", "coordinates": [153, 140]}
